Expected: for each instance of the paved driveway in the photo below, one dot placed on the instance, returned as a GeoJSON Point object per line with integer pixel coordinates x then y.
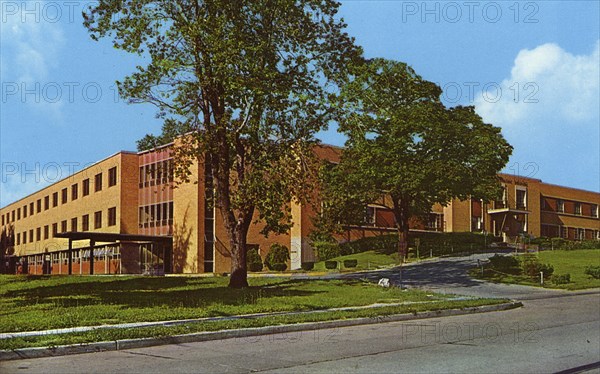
{"type": "Point", "coordinates": [450, 275]}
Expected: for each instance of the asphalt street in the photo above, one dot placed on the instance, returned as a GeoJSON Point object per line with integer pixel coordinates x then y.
{"type": "Point", "coordinates": [554, 331]}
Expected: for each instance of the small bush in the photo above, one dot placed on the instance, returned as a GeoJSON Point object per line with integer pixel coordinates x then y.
{"type": "Point", "coordinates": [327, 250]}
{"type": "Point", "coordinates": [504, 263]}
{"type": "Point", "coordinates": [561, 279]}
{"type": "Point", "coordinates": [279, 266]}
{"type": "Point", "coordinates": [307, 266]}
{"type": "Point", "coordinates": [331, 264]}
{"type": "Point", "coordinates": [278, 254]}
{"type": "Point", "coordinates": [350, 263]}
{"type": "Point", "coordinates": [532, 267]}
{"type": "Point", "coordinates": [254, 261]}
{"type": "Point", "coordinates": [593, 271]}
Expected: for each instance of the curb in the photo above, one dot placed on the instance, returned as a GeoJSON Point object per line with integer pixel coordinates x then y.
{"type": "Point", "coordinates": [38, 352]}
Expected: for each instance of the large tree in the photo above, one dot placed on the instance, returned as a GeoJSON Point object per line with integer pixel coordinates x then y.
{"type": "Point", "coordinates": [406, 150]}
{"type": "Point", "coordinates": [252, 78]}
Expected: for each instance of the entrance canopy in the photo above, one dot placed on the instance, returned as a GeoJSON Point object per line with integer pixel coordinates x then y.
{"type": "Point", "coordinates": [94, 237]}
{"type": "Point", "coordinates": [110, 237]}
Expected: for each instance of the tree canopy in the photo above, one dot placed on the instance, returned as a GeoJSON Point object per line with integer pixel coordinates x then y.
{"type": "Point", "coordinates": [253, 80]}
{"type": "Point", "coordinates": [405, 144]}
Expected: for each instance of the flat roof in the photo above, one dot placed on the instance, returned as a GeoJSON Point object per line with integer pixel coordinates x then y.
{"type": "Point", "coordinates": [112, 237]}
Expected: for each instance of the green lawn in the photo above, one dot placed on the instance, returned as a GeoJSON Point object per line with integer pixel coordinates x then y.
{"type": "Point", "coordinates": [29, 303]}
{"type": "Point", "coordinates": [572, 262]}
{"type": "Point", "coordinates": [368, 260]}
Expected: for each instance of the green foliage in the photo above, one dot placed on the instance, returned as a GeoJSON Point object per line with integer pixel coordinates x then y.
{"type": "Point", "coordinates": [254, 80]}
{"type": "Point", "coordinates": [593, 271]}
{"type": "Point", "coordinates": [307, 266]}
{"type": "Point", "coordinates": [254, 261]}
{"type": "Point", "coordinates": [532, 266]}
{"type": "Point", "coordinates": [565, 244]}
{"type": "Point", "coordinates": [279, 266]}
{"type": "Point", "coordinates": [438, 243]}
{"type": "Point", "coordinates": [504, 263]}
{"type": "Point", "coordinates": [404, 141]}
{"type": "Point", "coordinates": [561, 279]}
{"type": "Point", "coordinates": [350, 263]}
{"type": "Point", "coordinates": [331, 264]}
{"type": "Point", "coordinates": [326, 250]}
{"type": "Point", "coordinates": [278, 254]}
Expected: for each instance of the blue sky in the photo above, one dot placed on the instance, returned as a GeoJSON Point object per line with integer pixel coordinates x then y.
{"type": "Point", "coordinates": [531, 68]}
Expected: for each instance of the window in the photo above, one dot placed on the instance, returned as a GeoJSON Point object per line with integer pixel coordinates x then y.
{"type": "Point", "coordinates": [39, 205]}
{"type": "Point", "coordinates": [63, 226]}
{"type": "Point", "coordinates": [25, 211]}
{"type": "Point", "coordinates": [47, 202]}
{"type": "Point", "coordinates": [521, 199]}
{"type": "Point", "coordinates": [74, 224]}
{"type": "Point", "coordinates": [98, 220]}
{"type": "Point", "coordinates": [112, 216]}
{"type": "Point", "coordinates": [112, 176]}
{"type": "Point", "coordinates": [55, 199]}
{"type": "Point", "coordinates": [18, 214]}
{"type": "Point", "coordinates": [38, 234]}
{"type": "Point", "coordinates": [18, 236]}
{"type": "Point", "coordinates": [74, 191]}
{"type": "Point", "coordinates": [64, 196]}
{"type": "Point", "coordinates": [560, 206]}
{"type": "Point", "coordinates": [54, 229]}
{"type": "Point", "coordinates": [578, 208]}
{"type": "Point", "coordinates": [85, 222]}
{"type": "Point", "coordinates": [564, 232]}
{"type": "Point", "coordinates": [594, 211]}
{"type": "Point", "coordinates": [370, 215]}
{"type": "Point", "coordinates": [31, 236]}
{"type": "Point", "coordinates": [12, 219]}
{"type": "Point", "coordinates": [46, 232]}
{"type": "Point", "coordinates": [86, 187]}
{"type": "Point", "coordinates": [31, 208]}
{"type": "Point", "coordinates": [98, 182]}
{"type": "Point", "coordinates": [580, 234]}
{"type": "Point", "coordinates": [24, 237]}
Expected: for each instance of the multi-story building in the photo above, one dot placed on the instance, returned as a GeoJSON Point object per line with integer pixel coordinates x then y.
{"type": "Point", "coordinates": [123, 215]}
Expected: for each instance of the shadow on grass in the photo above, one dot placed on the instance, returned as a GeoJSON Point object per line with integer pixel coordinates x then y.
{"type": "Point", "coordinates": [141, 292]}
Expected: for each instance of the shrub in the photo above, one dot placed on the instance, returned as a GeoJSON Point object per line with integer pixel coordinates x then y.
{"type": "Point", "coordinates": [278, 254]}
{"type": "Point", "coordinates": [561, 279]}
{"type": "Point", "coordinates": [593, 271]}
{"type": "Point", "coordinates": [307, 266]}
{"type": "Point", "coordinates": [254, 261]}
{"type": "Point", "coordinates": [532, 267]}
{"type": "Point", "coordinates": [327, 250]}
{"type": "Point", "coordinates": [331, 264]}
{"type": "Point", "coordinates": [504, 263]}
{"type": "Point", "coordinates": [279, 266]}
{"type": "Point", "coordinates": [350, 263]}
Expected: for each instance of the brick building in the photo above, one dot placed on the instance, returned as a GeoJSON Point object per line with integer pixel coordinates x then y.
{"type": "Point", "coordinates": [122, 215]}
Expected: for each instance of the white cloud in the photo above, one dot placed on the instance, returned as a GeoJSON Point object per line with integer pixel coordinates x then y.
{"type": "Point", "coordinates": [554, 121]}
{"type": "Point", "coordinates": [31, 48]}
{"type": "Point", "coordinates": [547, 85]}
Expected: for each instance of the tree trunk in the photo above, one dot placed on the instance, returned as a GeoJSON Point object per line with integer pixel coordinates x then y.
{"type": "Point", "coordinates": [402, 215]}
{"type": "Point", "coordinates": [239, 272]}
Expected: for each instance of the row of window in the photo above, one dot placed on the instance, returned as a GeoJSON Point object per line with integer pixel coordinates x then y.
{"type": "Point", "coordinates": [160, 214]}
{"type": "Point", "coordinates": [36, 207]}
{"type": "Point", "coordinates": [157, 173]}
{"type": "Point", "coordinates": [566, 232]}
{"type": "Point", "coordinates": [577, 208]}
{"type": "Point", "coordinates": [29, 237]}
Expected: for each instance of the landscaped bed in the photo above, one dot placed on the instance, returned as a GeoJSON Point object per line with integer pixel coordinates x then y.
{"type": "Point", "coordinates": [573, 263]}
{"type": "Point", "coordinates": [30, 303]}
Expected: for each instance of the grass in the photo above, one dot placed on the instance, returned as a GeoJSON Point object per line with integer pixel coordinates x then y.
{"type": "Point", "coordinates": [572, 262]}
{"type": "Point", "coordinates": [29, 303]}
{"type": "Point", "coordinates": [117, 334]}
{"type": "Point", "coordinates": [369, 260]}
